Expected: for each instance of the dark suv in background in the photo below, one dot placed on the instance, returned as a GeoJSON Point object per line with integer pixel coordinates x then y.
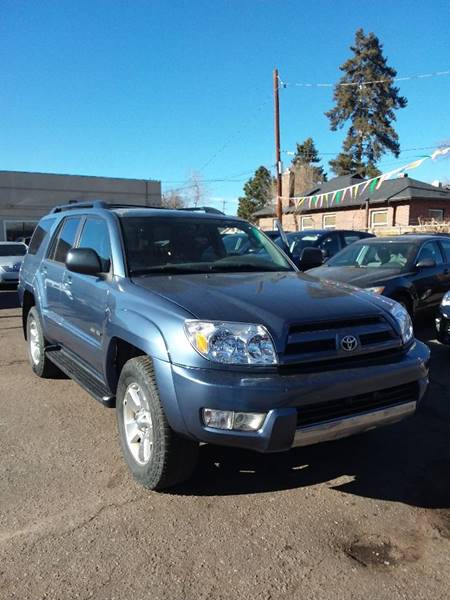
{"type": "Point", "coordinates": [150, 312]}
{"type": "Point", "coordinates": [329, 241]}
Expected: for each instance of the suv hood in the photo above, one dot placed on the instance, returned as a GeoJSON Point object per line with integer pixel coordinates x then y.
{"type": "Point", "coordinates": [271, 299]}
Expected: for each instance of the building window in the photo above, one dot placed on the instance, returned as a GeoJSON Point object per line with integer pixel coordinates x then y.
{"type": "Point", "coordinates": [307, 223]}
{"type": "Point", "coordinates": [329, 221]}
{"type": "Point", "coordinates": [378, 218]}
{"type": "Point", "coordinates": [436, 214]}
{"type": "Point", "coordinates": [18, 229]}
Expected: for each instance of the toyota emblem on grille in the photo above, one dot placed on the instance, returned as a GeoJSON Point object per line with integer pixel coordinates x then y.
{"type": "Point", "coordinates": [349, 343]}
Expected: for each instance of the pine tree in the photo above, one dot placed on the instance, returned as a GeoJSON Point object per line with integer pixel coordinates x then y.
{"type": "Point", "coordinates": [369, 108]}
{"type": "Point", "coordinates": [257, 193]}
{"type": "Point", "coordinates": [306, 168]}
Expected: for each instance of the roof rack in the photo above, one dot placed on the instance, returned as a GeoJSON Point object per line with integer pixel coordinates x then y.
{"type": "Point", "coordinates": [107, 206]}
{"type": "Point", "coordinates": [77, 205]}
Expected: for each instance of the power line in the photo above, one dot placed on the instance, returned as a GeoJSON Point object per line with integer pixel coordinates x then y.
{"type": "Point", "coordinates": [292, 153]}
{"type": "Point", "coordinates": [285, 84]}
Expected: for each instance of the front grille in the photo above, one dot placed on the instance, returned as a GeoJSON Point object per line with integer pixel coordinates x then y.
{"type": "Point", "coordinates": [321, 340]}
{"type": "Point", "coordinates": [343, 323]}
{"type": "Point", "coordinates": [354, 361]}
{"type": "Point", "coordinates": [321, 412]}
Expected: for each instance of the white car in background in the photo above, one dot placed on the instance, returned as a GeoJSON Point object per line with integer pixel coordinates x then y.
{"type": "Point", "coordinates": [11, 257]}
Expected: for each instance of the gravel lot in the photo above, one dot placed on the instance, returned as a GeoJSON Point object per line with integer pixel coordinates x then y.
{"type": "Point", "coordinates": [366, 517]}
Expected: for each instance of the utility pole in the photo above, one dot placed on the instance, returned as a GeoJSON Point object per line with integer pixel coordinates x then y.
{"type": "Point", "coordinates": [276, 99]}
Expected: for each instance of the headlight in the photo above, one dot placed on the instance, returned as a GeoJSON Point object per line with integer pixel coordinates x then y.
{"type": "Point", "coordinates": [375, 290]}
{"type": "Point", "coordinates": [231, 343]}
{"type": "Point", "coordinates": [446, 299]}
{"type": "Point", "coordinates": [403, 319]}
{"type": "Point", "coordinates": [2, 269]}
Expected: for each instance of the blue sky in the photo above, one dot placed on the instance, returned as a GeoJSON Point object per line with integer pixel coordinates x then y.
{"type": "Point", "coordinates": [158, 89]}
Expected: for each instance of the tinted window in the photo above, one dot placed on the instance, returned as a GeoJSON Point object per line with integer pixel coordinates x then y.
{"type": "Point", "coordinates": [431, 251]}
{"type": "Point", "coordinates": [329, 244]}
{"type": "Point", "coordinates": [13, 250]}
{"type": "Point", "coordinates": [66, 239]}
{"type": "Point", "coordinates": [39, 235]}
{"type": "Point", "coordinates": [189, 245]}
{"type": "Point", "coordinates": [95, 235]}
{"type": "Point", "coordinates": [446, 245]}
{"type": "Point", "coordinates": [349, 238]}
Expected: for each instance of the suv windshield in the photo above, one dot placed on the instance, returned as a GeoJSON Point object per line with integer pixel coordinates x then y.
{"type": "Point", "coordinates": [384, 255]}
{"type": "Point", "coordinates": [13, 250]}
{"type": "Point", "coordinates": [188, 245]}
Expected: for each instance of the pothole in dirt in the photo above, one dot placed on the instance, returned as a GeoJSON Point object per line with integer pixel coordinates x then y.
{"type": "Point", "coordinates": [376, 551]}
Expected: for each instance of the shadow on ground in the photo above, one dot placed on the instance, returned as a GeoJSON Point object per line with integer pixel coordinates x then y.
{"type": "Point", "coordinates": [408, 462]}
{"type": "Point", "coordinates": [8, 298]}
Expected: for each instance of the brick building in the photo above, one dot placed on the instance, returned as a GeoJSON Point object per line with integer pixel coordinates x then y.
{"type": "Point", "coordinates": [398, 202]}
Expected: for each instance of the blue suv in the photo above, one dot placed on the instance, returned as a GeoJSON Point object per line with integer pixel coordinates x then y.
{"type": "Point", "coordinates": [152, 311]}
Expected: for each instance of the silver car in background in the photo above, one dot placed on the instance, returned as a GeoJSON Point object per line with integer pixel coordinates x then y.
{"type": "Point", "coordinates": [11, 257]}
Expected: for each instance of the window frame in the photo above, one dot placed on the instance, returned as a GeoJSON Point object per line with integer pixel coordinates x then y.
{"type": "Point", "coordinates": [50, 254]}
{"type": "Point", "coordinates": [328, 227]}
{"type": "Point", "coordinates": [439, 210]}
{"type": "Point", "coordinates": [378, 211]}
{"type": "Point", "coordinates": [9, 221]}
{"type": "Point", "coordinates": [80, 233]}
{"type": "Point", "coordinates": [303, 218]}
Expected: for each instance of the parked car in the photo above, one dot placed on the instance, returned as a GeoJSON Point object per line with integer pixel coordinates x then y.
{"type": "Point", "coordinates": [443, 320]}
{"type": "Point", "coordinates": [412, 269]}
{"type": "Point", "coordinates": [11, 256]}
{"type": "Point", "coordinates": [273, 234]}
{"type": "Point", "coordinates": [24, 240]}
{"type": "Point", "coordinates": [329, 241]}
{"type": "Point", "coordinates": [148, 311]}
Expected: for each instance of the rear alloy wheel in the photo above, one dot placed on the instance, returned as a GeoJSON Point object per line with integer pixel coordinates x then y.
{"type": "Point", "coordinates": [40, 364]}
{"type": "Point", "coordinates": [157, 457]}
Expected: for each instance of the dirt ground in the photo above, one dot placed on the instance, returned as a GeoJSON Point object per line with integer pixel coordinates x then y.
{"type": "Point", "coordinates": [365, 517]}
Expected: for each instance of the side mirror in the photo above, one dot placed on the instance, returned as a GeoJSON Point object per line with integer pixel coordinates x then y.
{"type": "Point", "coordinates": [310, 258]}
{"type": "Point", "coordinates": [85, 261]}
{"type": "Point", "coordinates": [426, 263]}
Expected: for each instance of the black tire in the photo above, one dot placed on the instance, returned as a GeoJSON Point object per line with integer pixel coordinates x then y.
{"type": "Point", "coordinates": [41, 366]}
{"type": "Point", "coordinates": [172, 459]}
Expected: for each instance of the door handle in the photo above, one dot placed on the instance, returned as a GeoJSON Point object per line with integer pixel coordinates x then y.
{"type": "Point", "coordinates": [68, 281]}
{"type": "Point", "coordinates": [44, 270]}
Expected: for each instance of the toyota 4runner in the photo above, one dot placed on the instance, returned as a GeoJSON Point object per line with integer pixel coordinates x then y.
{"type": "Point", "coordinates": [150, 311]}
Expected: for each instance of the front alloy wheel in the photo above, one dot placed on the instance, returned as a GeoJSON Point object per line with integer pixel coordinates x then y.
{"type": "Point", "coordinates": [155, 454]}
{"type": "Point", "coordinates": [138, 424]}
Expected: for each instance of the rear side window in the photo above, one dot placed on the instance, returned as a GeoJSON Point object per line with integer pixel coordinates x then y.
{"type": "Point", "coordinates": [349, 238]}
{"type": "Point", "coordinates": [65, 239]}
{"type": "Point", "coordinates": [446, 245]}
{"type": "Point", "coordinates": [431, 251]}
{"type": "Point", "coordinates": [39, 235]}
{"type": "Point", "coordinates": [95, 236]}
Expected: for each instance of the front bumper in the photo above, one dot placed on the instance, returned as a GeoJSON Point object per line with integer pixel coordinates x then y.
{"type": "Point", "coordinates": [282, 396]}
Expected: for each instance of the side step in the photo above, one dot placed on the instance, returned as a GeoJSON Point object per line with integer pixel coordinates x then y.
{"type": "Point", "coordinates": [70, 367]}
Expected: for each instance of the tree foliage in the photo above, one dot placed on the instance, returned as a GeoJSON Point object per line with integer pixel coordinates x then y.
{"type": "Point", "coordinates": [370, 109]}
{"type": "Point", "coordinates": [306, 168]}
{"type": "Point", "coordinates": [258, 193]}
{"type": "Point", "coordinates": [172, 199]}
